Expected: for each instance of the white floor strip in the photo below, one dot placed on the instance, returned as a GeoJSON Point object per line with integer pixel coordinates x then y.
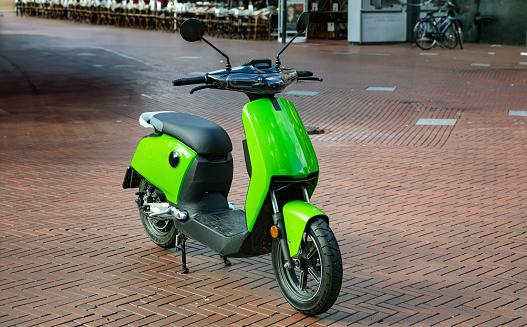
{"type": "Point", "coordinates": [437, 122]}
{"type": "Point", "coordinates": [381, 88]}
{"type": "Point", "coordinates": [517, 113]}
{"type": "Point", "coordinates": [310, 93]}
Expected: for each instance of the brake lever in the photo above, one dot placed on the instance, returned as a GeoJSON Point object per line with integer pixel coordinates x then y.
{"type": "Point", "coordinates": [201, 87]}
{"type": "Point", "coordinates": [310, 79]}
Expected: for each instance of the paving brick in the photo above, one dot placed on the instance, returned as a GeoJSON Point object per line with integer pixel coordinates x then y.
{"type": "Point", "coordinates": [228, 321]}
{"type": "Point", "coordinates": [68, 318]}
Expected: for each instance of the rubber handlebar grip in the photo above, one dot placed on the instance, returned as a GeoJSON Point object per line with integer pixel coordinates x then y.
{"type": "Point", "coordinates": [304, 73]}
{"type": "Point", "coordinates": [190, 80]}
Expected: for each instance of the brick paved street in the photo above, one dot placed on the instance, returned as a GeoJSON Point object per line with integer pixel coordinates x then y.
{"type": "Point", "coordinates": [431, 220]}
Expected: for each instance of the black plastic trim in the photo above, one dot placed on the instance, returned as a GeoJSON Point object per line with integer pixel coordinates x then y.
{"type": "Point", "coordinates": [259, 241]}
{"type": "Point", "coordinates": [247, 158]}
{"type": "Point", "coordinates": [288, 189]}
{"type": "Point", "coordinates": [225, 238]}
{"type": "Point", "coordinates": [173, 159]}
{"type": "Point", "coordinates": [276, 105]}
{"type": "Point", "coordinates": [132, 179]}
{"type": "Point", "coordinates": [281, 182]}
{"type": "Point", "coordinates": [207, 184]}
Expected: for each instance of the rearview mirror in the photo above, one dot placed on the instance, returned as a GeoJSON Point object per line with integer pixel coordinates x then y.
{"type": "Point", "coordinates": [192, 30]}
{"type": "Point", "coordinates": [303, 22]}
{"type": "Point", "coordinates": [301, 26]}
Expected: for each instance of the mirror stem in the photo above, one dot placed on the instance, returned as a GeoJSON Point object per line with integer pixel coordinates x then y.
{"type": "Point", "coordinates": [277, 62]}
{"type": "Point", "coordinates": [228, 64]}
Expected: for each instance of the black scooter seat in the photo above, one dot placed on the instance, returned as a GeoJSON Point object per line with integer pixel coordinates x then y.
{"type": "Point", "coordinates": [201, 135]}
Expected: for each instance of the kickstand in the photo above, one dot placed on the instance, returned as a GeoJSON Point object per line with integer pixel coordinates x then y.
{"type": "Point", "coordinates": [181, 239]}
{"type": "Point", "coordinates": [226, 260]}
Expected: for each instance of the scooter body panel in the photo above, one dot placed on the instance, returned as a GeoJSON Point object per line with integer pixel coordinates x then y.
{"type": "Point", "coordinates": [296, 216]}
{"type": "Point", "coordinates": [278, 145]}
{"type": "Point", "coordinates": [151, 160]}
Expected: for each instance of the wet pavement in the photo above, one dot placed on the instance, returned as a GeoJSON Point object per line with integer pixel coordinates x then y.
{"type": "Point", "coordinates": [422, 173]}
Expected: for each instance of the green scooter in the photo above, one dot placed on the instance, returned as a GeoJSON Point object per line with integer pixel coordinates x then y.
{"type": "Point", "coordinates": [184, 171]}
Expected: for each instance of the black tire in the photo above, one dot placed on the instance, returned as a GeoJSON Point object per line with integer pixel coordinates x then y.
{"type": "Point", "coordinates": [425, 33]}
{"type": "Point", "coordinates": [459, 34]}
{"type": "Point", "coordinates": [450, 38]}
{"type": "Point", "coordinates": [161, 232]}
{"type": "Point", "coordinates": [319, 257]}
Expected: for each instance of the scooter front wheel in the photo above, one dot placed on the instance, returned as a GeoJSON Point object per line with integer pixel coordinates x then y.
{"type": "Point", "coordinates": [161, 232]}
{"type": "Point", "coordinates": [313, 285]}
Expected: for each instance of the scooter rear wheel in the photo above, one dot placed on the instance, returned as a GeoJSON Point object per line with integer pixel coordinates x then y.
{"type": "Point", "coordinates": [161, 232]}
{"type": "Point", "coordinates": [313, 286]}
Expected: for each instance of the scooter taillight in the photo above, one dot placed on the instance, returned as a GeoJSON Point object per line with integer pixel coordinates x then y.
{"type": "Point", "coordinates": [418, 20]}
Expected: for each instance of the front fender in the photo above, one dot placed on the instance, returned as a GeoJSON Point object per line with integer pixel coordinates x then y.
{"type": "Point", "coordinates": [296, 216]}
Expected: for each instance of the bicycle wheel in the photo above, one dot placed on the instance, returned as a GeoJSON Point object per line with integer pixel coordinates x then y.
{"type": "Point", "coordinates": [459, 34]}
{"type": "Point", "coordinates": [449, 37]}
{"type": "Point", "coordinates": [425, 33]}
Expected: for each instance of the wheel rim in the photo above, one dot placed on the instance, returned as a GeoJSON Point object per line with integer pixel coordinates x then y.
{"type": "Point", "coordinates": [450, 37]}
{"type": "Point", "coordinates": [159, 227]}
{"type": "Point", "coordinates": [425, 35]}
{"type": "Point", "coordinates": [459, 36]}
{"type": "Point", "coordinates": [304, 280]}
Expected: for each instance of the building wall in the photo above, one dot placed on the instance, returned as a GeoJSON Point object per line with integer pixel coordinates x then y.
{"type": "Point", "coordinates": [7, 4]}
{"type": "Point", "coordinates": [503, 21]}
{"type": "Point", "coordinates": [467, 12]}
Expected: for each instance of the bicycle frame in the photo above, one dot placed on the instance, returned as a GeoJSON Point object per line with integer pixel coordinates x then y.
{"type": "Point", "coordinates": [446, 32]}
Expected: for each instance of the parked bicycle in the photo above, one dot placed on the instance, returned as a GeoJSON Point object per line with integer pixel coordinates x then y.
{"type": "Point", "coordinates": [441, 30]}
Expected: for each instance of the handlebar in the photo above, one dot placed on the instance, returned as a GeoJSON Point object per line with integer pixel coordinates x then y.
{"type": "Point", "coordinates": [248, 78]}
{"type": "Point", "coordinates": [310, 79]}
{"type": "Point", "coordinates": [304, 73]}
{"type": "Point", "coordinates": [190, 80]}
{"type": "Point", "coordinates": [201, 87]}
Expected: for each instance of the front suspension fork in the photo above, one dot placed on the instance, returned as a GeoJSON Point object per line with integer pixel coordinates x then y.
{"type": "Point", "coordinates": [278, 220]}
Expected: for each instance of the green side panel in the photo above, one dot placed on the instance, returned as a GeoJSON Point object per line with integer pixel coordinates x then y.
{"type": "Point", "coordinates": [278, 146]}
{"type": "Point", "coordinates": [151, 161]}
{"type": "Point", "coordinates": [296, 216]}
